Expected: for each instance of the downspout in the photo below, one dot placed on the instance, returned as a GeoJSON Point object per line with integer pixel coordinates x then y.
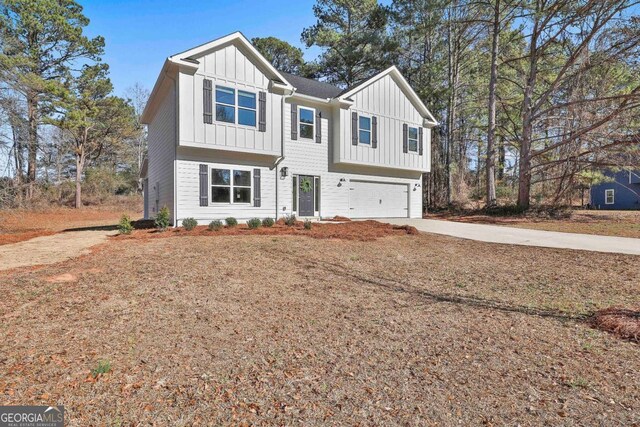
{"type": "Point", "coordinates": [282, 152]}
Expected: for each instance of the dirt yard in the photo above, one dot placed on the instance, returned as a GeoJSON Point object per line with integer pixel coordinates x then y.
{"type": "Point", "coordinates": [282, 330]}
{"type": "Point", "coordinates": [606, 223]}
{"type": "Point", "coordinates": [17, 225]}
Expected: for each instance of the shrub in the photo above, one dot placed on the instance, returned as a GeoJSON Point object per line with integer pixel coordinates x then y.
{"type": "Point", "coordinates": [189, 223]}
{"type": "Point", "coordinates": [215, 225]}
{"type": "Point", "coordinates": [231, 221]}
{"type": "Point", "coordinates": [254, 223]}
{"type": "Point", "coordinates": [268, 222]}
{"type": "Point", "coordinates": [125, 226]}
{"type": "Point", "coordinates": [104, 366]}
{"type": "Point", "coordinates": [162, 221]}
{"type": "Point", "coordinates": [307, 224]}
{"type": "Point", "coordinates": [290, 220]}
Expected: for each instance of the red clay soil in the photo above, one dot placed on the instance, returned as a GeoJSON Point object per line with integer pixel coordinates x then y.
{"type": "Point", "coordinates": [622, 322]}
{"type": "Point", "coordinates": [338, 218]}
{"type": "Point", "coordinates": [356, 230]}
{"type": "Point", "coordinates": [8, 238]}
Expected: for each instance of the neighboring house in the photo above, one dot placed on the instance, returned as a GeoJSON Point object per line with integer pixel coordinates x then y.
{"type": "Point", "coordinates": [229, 135]}
{"type": "Point", "coordinates": [621, 192]}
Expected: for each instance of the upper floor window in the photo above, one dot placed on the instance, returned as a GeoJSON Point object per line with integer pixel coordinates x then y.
{"type": "Point", "coordinates": [364, 130]}
{"type": "Point", "coordinates": [226, 106]}
{"type": "Point", "coordinates": [609, 197]}
{"type": "Point", "coordinates": [307, 122]}
{"type": "Point", "coordinates": [413, 139]}
{"type": "Point", "coordinates": [230, 186]}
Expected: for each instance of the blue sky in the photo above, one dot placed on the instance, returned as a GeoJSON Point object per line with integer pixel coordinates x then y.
{"type": "Point", "coordinates": [140, 34]}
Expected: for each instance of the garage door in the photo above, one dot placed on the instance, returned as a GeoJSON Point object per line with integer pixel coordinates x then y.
{"type": "Point", "coordinates": [378, 200]}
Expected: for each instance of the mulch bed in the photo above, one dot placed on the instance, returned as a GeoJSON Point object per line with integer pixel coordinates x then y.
{"type": "Point", "coordinates": [352, 230]}
{"type": "Point", "coordinates": [619, 321]}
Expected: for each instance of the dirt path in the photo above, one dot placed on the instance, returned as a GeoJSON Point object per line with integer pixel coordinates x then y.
{"type": "Point", "coordinates": [50, 249]}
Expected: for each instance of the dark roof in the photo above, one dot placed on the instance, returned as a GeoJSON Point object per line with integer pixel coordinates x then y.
{"type": "Point", "coordinates": [312, 87]}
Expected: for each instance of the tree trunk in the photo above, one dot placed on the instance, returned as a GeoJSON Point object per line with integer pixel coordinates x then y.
{"type": "Point", "coordinates": [32, 137]}
{"type": "Point", "coordinates": [491, 134]}
{"type": "Point", "coordinates": [79, 167]}
{"type": "Point", "coordinates": [502, 157]}
{"type": "Point", "coordinates": [524, 158]}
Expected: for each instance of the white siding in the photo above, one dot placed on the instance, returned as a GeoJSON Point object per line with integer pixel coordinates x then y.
{"type": "Point", "coordinates": [306, 157]}
{"type": "Point", "coordinates": [228, 67]}
{"type": "Point", "coordinates": [161, 153]}
{"type": "Point", "coordinates": [188, 187]}
{"type": "Point", "coordinates": [385, 100]}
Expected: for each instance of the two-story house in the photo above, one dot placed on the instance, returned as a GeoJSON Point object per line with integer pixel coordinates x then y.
{"type": "Point", "coordinates": [229, 135]}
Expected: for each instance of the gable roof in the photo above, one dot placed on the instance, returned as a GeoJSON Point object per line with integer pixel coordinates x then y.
{"type": "Point", "coordinates": [191, 55]}
{"type": "Point", "coordinates": [312, 87]}
{"type": "Point", "coordinates": [404, 86]}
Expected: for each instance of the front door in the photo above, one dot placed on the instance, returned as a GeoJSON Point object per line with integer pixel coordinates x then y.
{"type": "Point", "coordinates": [306, 195]}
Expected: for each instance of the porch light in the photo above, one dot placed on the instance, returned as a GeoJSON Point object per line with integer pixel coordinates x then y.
{"type": "Point", "coordinates": [284, 172]}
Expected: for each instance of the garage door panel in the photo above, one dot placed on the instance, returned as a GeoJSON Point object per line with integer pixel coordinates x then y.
{"type": "Point", "coordinates": [369, 199]}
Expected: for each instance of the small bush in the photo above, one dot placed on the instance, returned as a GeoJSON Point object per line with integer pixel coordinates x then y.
{"type": "Point", "coordinates": [162, 221]}
{"type": "Point", "coordinates": [231, 221]}
{"type": "Point", "coordinates": [104, 366]}
{"type": "Point", "coordinates": [307, 224]}
{"type": "Point", "coordinates": [215, 225]}
{"type": "Point", "coordinates": [268, 222]}
{"type": "Point", "coordinates": [254, 223]}
{"type": "Point", "coordinates": [189, 223]}
{"type": "Point", "coordinates": [125, 226]}
{"type": "Point", "coordinates": [290, 220]}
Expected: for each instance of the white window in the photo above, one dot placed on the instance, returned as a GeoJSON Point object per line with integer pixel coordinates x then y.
{"type": "Point", "coordinates": [364, 130]}
{"type": "Point", "coordinates": [226, 106]}
{"type": "Point", "coordinates": [230, 186]}
{"type": "Point", "coordinates": [609, 197]}
{"type": "Point", "coordinates": [413, 139]}
{"type": "Point", "coordinates": [306, 119]}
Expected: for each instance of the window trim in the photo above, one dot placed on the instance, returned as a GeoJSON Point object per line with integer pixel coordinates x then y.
{"type": "Point", "coordinates": [231, 186]}
{"type": "Point", "coordinates": [300, 124]}
{"type": "Point", "coordinates": [370, 130]}
{"type": "Point", "coordinates": [613, 196]}
{"type": "Point", "coordinates": [236, 106]}
{"type": "Point", "coordinates": [409, 139]}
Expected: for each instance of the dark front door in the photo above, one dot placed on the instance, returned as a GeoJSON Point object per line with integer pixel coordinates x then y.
{"type": "Point", "coordinates": [306, 192]}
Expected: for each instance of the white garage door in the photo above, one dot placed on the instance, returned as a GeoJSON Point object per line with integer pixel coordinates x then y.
{"type": "Point", "coordinates": [378, 200]}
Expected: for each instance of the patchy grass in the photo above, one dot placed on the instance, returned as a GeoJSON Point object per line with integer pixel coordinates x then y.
{"type": "Point", "coordinates": [606, 223]}
{"type": "Point", "coordinates": [282, 330]}
{"type": "Point", "coordinates": [20, 224]}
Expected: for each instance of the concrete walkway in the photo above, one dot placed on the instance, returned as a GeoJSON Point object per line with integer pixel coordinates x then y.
{"type": "Point", "coordinates": [522, 236]}
{"type": "Point", "coordinates": [50, 249]}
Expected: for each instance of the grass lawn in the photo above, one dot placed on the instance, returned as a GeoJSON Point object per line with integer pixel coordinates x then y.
{"type": "Point", "coordinates": [407, 329]}
{"type": "Point", "coordinates": [607, 223]}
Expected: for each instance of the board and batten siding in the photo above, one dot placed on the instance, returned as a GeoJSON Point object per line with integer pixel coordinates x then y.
{"type": "Point", "coordinates": [385, 100]}
{"type": "Point", "coordinates": [188, 186]}
{"type": "Point", "coordinates": [161, 153]}
{"type": "Point", "coordinates": [229, 67]}
{"type": "Point", "coordinates": [306, 157]}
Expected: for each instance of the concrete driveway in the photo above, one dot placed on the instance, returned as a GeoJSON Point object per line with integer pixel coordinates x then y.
{"type": "Point", "coordinates": [522, 236]}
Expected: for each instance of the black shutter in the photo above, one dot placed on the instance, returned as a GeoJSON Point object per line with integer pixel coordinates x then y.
{"type": "Point", "coordinates": [294, 122]}
{"type": "Point", "coordinates": [318, 127]}
{"type": "Point", "coordinates": [256, 188]}
{"type": "Point", "coordinates": [374, 132]}
{"type": "Point", "coordinates": [420, 141]}
{"type": "Point", "coordinates": [262, 111]}
{"type": "Point", "coordinates": [405, 142]}
{"type": "Point", "coordinates": [354, 128]}
{"type": "Point", "coordinates": [204, 185]}
{"type": "Point", "coordinates": [207, 101]}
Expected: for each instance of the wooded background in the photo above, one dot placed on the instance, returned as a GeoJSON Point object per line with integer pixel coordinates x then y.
{"type": "Point", "coordinates": [534, 98]}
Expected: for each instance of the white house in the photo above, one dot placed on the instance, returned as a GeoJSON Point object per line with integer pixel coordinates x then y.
{"type": "Point", "coordinates": [229, 135]}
